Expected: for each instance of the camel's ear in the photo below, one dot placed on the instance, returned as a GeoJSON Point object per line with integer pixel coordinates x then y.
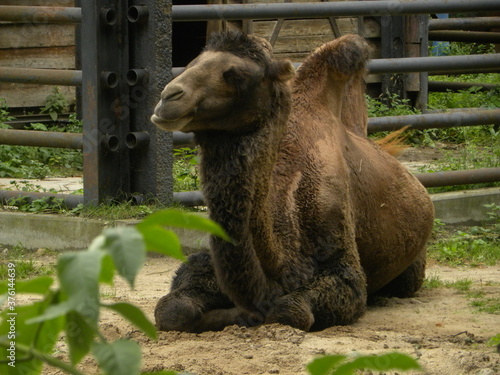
{"type": "Point", "coordinates": [281, 70]}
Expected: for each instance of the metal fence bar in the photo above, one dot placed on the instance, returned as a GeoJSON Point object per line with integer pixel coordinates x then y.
{"type": "Point", "coordinates": [466, 23]}
{"type": "Point", "coordinates": [444, 86]}
{"type": "Point", "coordinates": [434, 120]}
{"type": "Point", "coordinates": [71, 15]}
{"type": "Point", "coordinates": [41, 76]}
{"type": "Point", "coordinates": [466, 63]}
{"type": "Point", "coordinates": [473, 176]}
{"type": "Point", "coordinates": [41, 139]}
{"type": "Point", "coordinates": [69, 200]}
{"type": "Point", "coordinates": [40, 14]}
{"type": "Point", "coordinates": [465, 36]}
{"type": "Point", "coordinates": [324, 10]}
{"type": "Point", "coordinates": [435, 64]}
{"type": "Point", "coordinates": [391, 123]}
{"type": "Point", "coordinates": [436, 179]}
{"type": "Point", "coordinates": [189, 198]}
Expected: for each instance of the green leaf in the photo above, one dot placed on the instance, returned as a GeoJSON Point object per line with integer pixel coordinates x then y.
{"type": "Point", "coordinates": [120, 357]}
{"type": "Point", "coordinates": [79, 336]}
{"type": "Point", "coordinates": [126, 247]}
{"type": "Point", "coordinates": [167, 373]}
{"type": "Point", "coordinates": [39, 285]}
{"type": "Point", "coordinates": [79, 275]}
{"type": "Point", "coordinates": [107, 270]}
{"type": "Point", "coordinates": [162, 241]}
{"type": "Point", "coordinates": [53, 311]}
{"type": "Point", "coordinates": [383, 362]}
{"type": "Point", "coordinates": [179, 219]}
{"type": "Point", "coordinates": [98, 244]}
{"type": "Point", "coordinates": [41, 336]}
{"type": "Point", "coordinates": [134, 315]}
{"type": "Point", "coordinates": [325, 365]}
{"type": "Point", "coordinates": [53, 115]}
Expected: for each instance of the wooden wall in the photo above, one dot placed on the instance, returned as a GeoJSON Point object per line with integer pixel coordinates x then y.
{"type": "Point", "coordinates": [53, 46]}
{"type": "Point", "coordinates": [35, 46]}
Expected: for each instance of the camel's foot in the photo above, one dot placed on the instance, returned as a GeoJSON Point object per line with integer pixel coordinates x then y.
{"type": "Point", "coordinates": [182, 313]}
{"type": "Point", "coordinates": [177, 313]}
{"type": "Point", "coordinates": [291, 310]}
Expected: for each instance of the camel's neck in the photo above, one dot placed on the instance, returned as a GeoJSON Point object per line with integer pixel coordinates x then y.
{"type": "Point", "coordinates": [236, 172]}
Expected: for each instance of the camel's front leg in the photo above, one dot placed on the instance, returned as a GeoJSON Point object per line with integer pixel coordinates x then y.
{"type": "Point", "coordinates": [336, 296]}
{"type": "Point", "coordinates": [195, 302]}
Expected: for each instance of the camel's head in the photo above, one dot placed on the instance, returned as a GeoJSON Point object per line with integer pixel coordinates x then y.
{"type": "Point", "coordinates": [228, 86]}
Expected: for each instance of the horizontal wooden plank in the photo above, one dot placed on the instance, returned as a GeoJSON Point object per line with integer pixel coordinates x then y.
{"type": "Point", "coordinates": [298, 28]}
{"type": "Point", "coordinates": [55, 57]}
{"type": "Point", "coordinates": [47, 3]}
{"type": "Point", "coordinates": [21, 95]}
{"type": "Point", "coordinates": [39, 35]}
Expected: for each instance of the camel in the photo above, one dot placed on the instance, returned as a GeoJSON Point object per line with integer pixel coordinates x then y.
{"type": "Point", "coordinates": [320, 217]}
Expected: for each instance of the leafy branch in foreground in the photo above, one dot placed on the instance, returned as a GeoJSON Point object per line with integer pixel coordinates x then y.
{"type": "Point", "coordinates": [344, 365]}
{"type": "Point", "coordinates": [75, 306]}
{"type": "Point", "coordinates": [28, 333]}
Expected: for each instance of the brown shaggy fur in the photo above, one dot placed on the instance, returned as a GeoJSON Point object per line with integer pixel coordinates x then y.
{"type": "Point", "coordinates": [320, 216]}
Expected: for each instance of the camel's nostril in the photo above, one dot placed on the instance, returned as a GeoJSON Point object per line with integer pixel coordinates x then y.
{"type": "Point", "coordinates": [173, 95]}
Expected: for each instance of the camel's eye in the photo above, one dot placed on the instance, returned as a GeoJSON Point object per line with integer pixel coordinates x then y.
{"type": "Point", "coordinates": [236, 77]}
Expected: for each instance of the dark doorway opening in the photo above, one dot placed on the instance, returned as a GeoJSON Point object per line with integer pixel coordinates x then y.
{"type": "Point", "coordinates": [188, 38]}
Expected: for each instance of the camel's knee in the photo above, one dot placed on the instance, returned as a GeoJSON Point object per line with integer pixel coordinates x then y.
{"type": "Point", "coordinates": [177, 313]}
{"type": "Point", "coordinates": [291, 310]}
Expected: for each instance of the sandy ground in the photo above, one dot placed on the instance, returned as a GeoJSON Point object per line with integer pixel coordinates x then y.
{"type": "Point", "coordinates": [439, 327]}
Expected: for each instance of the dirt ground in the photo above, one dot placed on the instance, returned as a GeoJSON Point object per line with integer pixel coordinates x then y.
{"type": "Point", "coordinates": [439, 327]}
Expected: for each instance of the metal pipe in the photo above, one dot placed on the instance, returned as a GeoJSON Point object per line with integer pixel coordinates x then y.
{"type": "Point", "coordinates": [40, 14]}
{"type": "Point", "coordinates": [41, 139]}
{"type": "Point", "coordinates": [444, 86]}
{"type": "Point", "coordinates": [183, 139]}
{"type": "Point", "coordinates": [190, 198]}
{"type": "Point", "coordinates": [69, 200]}
{"type": "Point", "coordinates": [465, 36]}
{"type": "Point", "coordinates": [473, 176]}
{"type": "Point", "coordinates": [434, 64]}
{"type": "Point", "coordinates": [137, 140]}
{"type": "Point", "coordinates": [41, 76]}
{"type": "Point", "coordinates": [324, 10]}
{"type": "Point", "coordinates": [468, 63]}
{"type": "Point", "coordinates": [466, 23]}
{"type": "Point", "coordinates": [449, 178]}
{"type": "Point", "coordinates": [471, 117]}
{"type": "Point", "coordinates": [434, 120]}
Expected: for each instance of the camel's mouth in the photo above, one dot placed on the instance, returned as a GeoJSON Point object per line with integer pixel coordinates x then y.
{"type": "Point", "coordinates": [171, 125]}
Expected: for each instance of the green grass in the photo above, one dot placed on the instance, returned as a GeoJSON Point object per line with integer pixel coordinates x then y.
{"type": "Point", "coordinates": [484, 303]}
{"type": "Point", "coordinates": [477, 297]}
{"type": "Point", "coordinates": [26, 267]}
{"type": "Point", "coordinates": [433, 282]}
{"type": "Point", "coordinates": [41, 162]}
{"type": "Point", "coordinates": [118, 211]}
{"type": "Point", "coordinates": [185, 169]}
{"type": "Point", "coordinates": [474, 247]}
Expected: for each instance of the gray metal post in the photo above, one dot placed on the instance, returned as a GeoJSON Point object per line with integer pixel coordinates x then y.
{"type": "Point", "coordinates": [105, 110]}
{"type": "Point", "coordinates": [150, 38]}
